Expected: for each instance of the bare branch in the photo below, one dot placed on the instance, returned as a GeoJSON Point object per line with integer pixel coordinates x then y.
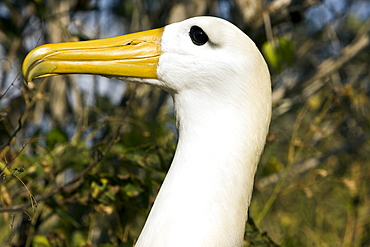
{"type": "Point", "coordinates": [312, 81]}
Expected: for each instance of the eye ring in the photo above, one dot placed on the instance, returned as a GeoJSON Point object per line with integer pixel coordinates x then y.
{"type": "Point", "coordinates": [198, 36]}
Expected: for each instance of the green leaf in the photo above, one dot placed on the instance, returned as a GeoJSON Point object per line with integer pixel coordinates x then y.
{"type": "Point", "coordinates": [132, 190]}
{"type": "Point", "coordinates": [54, 137]}
{"type": "Point", "coordinates": [40, 241]}
{"type": "Point", "coordinates": [278, 53]}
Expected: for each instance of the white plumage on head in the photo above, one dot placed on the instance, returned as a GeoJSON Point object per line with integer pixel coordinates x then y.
{"type": "Point", "coordinates": [221, 88]}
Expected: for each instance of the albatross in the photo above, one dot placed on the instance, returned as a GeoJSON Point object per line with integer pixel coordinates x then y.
{"type": "Point", "coordinates": [221, 90]}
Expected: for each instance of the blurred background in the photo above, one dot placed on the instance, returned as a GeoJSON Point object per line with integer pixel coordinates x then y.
{"type": "Point", "coordinates": [82, 157]}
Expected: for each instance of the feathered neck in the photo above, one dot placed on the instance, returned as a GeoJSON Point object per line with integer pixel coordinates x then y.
{"type": "Point", "coordinates": [205, 197]}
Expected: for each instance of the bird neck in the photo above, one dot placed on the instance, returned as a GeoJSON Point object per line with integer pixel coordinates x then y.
{"type": "Point", "coordinates": [207, 191]}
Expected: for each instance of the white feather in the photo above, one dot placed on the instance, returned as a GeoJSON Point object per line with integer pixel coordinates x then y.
{"type": "Point", "coordinates": [222, 97]}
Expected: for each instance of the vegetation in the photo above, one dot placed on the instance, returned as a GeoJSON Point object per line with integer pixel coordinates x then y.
{"type": "Point", "coordinates": [82, 157]}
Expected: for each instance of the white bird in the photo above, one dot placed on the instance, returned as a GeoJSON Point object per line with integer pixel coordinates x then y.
{"type": "Point", "coordinates": [221, 89]}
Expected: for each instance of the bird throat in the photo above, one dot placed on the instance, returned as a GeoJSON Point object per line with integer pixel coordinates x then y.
{"type": "Point", "coordinates": [208, 188]}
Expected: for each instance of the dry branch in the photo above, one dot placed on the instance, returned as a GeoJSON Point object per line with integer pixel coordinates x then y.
{"type": "Point", "coordinates": [311, 82]}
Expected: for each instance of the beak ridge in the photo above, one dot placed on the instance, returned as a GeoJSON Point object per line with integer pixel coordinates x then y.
{"type": "Point", "coordinates": [131, 55]}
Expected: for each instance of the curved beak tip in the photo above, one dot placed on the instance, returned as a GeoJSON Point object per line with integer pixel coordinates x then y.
{"type": "Point", "coordinates": [131, 55]}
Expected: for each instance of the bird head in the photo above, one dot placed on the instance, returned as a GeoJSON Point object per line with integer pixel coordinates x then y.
{"type": "Point", "coordinates": [199, 54]}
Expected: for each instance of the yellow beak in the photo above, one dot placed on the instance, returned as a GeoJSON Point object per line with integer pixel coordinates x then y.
{"type": "Point", "coordinates": [131, 55]}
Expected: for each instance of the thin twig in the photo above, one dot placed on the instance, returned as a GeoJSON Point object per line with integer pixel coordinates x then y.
{"type": "Point", "coordinates": [292, 153]}
{"type": "Point", "coordinates": [78, 179]}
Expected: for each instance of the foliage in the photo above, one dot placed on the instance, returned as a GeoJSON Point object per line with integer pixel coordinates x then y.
{"type": "Point", "coordinates": [99, 191]}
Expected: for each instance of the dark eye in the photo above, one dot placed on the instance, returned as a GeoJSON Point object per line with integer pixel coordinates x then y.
{"type": "Point", "coordinates": [198, 36]}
